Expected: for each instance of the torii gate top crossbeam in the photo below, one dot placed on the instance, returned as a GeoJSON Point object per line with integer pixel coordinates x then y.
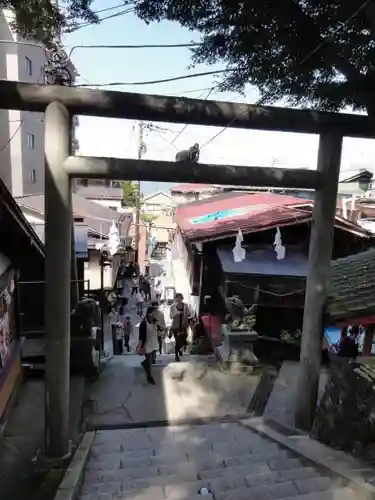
{"type": "Point", "coordinates": [111, 104]}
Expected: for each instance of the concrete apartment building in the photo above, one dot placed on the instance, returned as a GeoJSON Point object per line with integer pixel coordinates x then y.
{"type": "Point", "coordinates": [21, 132]}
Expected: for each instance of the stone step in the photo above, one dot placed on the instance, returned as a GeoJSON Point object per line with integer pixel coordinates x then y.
{"type": "Point", "coordinates": [216, 480]}
{"type": "Point", "coordinates": [269, 492]}
{"type": "Point", "coordinates": [205, 460]}
{"type": "Point", "coordinates": [206, 467]}
{"type": "Point", "coordinates": [284, 491]}
{"type": "Point", "coordinates": [230, 462]}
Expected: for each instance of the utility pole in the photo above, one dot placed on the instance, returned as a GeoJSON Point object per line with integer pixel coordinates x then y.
{"type": "Point", "coordinates": [142, 126]}
{"type": "Point", "coordinates": [141, 149]}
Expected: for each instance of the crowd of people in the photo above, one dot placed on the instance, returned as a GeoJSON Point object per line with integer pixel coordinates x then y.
{"type": "Point", "coordinates": [153, 330]}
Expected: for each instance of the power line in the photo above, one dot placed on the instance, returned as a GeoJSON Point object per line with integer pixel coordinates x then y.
{"type": "Point", "coordinates": [112, 16]}
{"type": "Point", "coordinates": [188, 91]}
{"type": "Point", "coordinates": [172, 143]}
{"type": "Point", "coordinates": [312, 52]}
{"type": "Point", "coordinates": [12, 137]}
{"type": "Point", "coordinates": [141, 46]}
{"type": "Point", "coordinates": [114, 7]}
{"type": "Point", "coordinates": [154, 82]}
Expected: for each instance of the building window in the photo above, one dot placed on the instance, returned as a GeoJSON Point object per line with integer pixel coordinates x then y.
{"type": "Point", "coordinates": [32, 176]}
{"type": "Point", "coordinates": [31, 140]}
{"type": "Point", "coordinates": [28, 66]}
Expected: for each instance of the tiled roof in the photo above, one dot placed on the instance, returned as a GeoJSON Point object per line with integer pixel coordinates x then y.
{"type": "Point", "coordinates": [351, 291]}
{"type": "Point", "coordinates": [100, 192]}
{"type": "Point", "coordinates": [192, 188]}
{"type": "Point", "coordinates": [9, 203]}
{"type": "Point", "coordinates": [97, 217]}
{"type": "Point", "coordinates": [353, 175]}
{"type": "Point", "coordinates": [80, 237]}
{"type": "Point", "coordinates": [255, 212]}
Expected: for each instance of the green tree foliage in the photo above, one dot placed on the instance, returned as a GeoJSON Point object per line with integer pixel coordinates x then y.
{"type": "Point", "coordinates": [148, 218]}
{"type": "Point", "coordinates": [42, 20]}
{"type": "Point", "coordinates": [305, 52]}
{"type": "Point", "coordinates": [130, 192]}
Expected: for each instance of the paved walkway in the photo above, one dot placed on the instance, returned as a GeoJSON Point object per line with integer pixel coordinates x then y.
{"type": "Point", "coordinates": [195, 388]}
{"type": "Point", "coordinates": [136, 456]}
{"type": "Point", "coordinates": [218, 461]}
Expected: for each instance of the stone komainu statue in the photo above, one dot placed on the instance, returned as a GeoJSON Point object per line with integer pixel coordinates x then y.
{"type": "Point", "coordinates": [191, 155]}
{"type": "Point", "coordinates": [236, 309]}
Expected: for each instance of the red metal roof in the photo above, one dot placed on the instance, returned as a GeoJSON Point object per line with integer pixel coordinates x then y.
{"type": "Point", "coordinates": [255, 212]}
{"type": "Point", "coordinates": [192, 188]}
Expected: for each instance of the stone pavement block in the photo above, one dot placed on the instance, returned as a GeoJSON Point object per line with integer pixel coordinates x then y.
{"type": "Point", "coordinates": [257, 468]}
{"type": "Point", "coordinates": [139, 453]}
{"type": "Point", "coordinates": [266, 492]}
{"type": "Point", "coordinates": [158, 434]}
{"type": "Point", "coordinates": [284, 464]}
{"type": "Point", "coordinates": [139, 433]}
{"type": "Point", "coordinates": [184, 491]}
{"type": "Point", "coordinates": [166, 460]}
{"type": "Point", "coordinates": [207, 462]}
{"type": "Point", "coordinates": [94, 477]}
{"type": "Point", "coordinates": [135, 444]}
{"type": "Point", "coordinates": [255, 457]}
{"type": "Point", "coordinates": [222, 484]}
{"type": "Point", "coordinates": [106, 437]}
{"type": "Point", "coordinates": [162, 481]}
{"type": "Point", "coordinates": [196, 497]}
{"type": "Point", "coordinates": [313, 485]}
{"type": "Point", "coordinates": [141, 484]}
{"type": "Point", "coordinates": [229, 449]}
{"type": "Point", "coordinates": [101, 449]}
{"type": "Point", "coordinates": [110, 462]}
{"type": "Point", "coordinates": [264, 447]}
{"type": "Point", "coordinates": [153, 493]}
{"type": "Point", "coordinates": [189, 469]}
{"type": "Point", "coordinates": [139, 473]}
{"type": "Point", "coordinates": [170, 454]}
{"type": "Point", "coordinates": [133, 462]}
{"type": "Point", "coordinates": [197, 448]}
{"type": "Point", "coordinates": [274, 491]}
{"type": "Point", "coordinates": [281, 476]}
{"type": "Point", "coordinates": [340, 494]}
{"type": "Point", "coordinates": [108, 487]}
{"type": "Point", "coordinates": [99, 496]}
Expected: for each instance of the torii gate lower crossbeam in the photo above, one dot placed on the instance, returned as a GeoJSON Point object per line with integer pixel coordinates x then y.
{"type": "Point", "coordinates": [60, 168]}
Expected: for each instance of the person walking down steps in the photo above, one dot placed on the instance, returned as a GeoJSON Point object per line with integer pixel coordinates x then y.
{"type": "Point", "coordinates": [160, 325]}
{"type": "Point", "coordinates": [148, 342]}
{"type": "Point", "coordinates": [179, 314]}
{"type": "Point", "coordinates": [128, 332]}
{"type": "Point", "coordinates": [139, 302]}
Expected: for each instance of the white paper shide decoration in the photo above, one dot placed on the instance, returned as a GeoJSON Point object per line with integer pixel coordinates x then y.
{"type": "Point", "coordinates": [278, 245]}
{"type": "Point", "coordinates": [113, 239]}
{"type": "Point", "coordinates": [239, 253]}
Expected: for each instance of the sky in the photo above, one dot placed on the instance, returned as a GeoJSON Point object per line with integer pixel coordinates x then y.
{"type": "Point", "coordinates": [118, 138]}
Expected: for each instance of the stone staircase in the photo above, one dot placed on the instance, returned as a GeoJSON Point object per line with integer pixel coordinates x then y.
{"type": "Point", "coordinates": [221, 461]}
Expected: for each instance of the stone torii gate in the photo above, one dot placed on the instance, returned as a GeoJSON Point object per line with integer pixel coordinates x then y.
{"type": "Point", "coordinates": [61, 103]}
